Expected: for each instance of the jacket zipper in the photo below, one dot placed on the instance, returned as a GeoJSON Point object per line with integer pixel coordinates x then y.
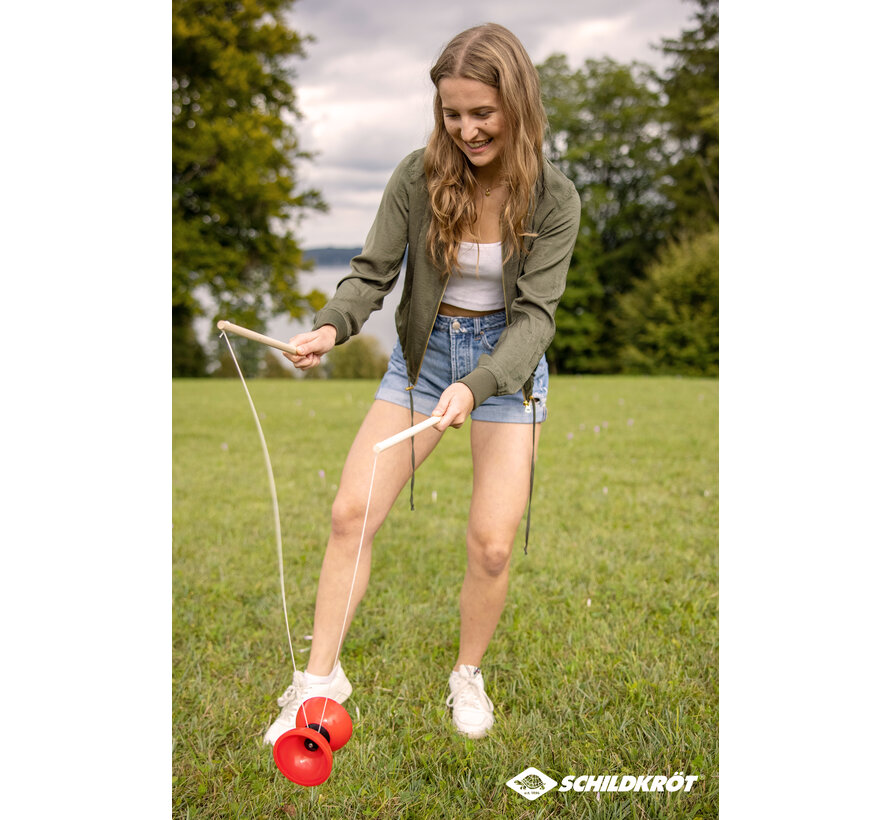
{"type": "Point", "coordinates": [507, 315]}
{"type": "Point", "coordinates": [432, 326]}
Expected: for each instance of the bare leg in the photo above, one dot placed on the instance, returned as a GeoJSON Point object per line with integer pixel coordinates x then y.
{"type": "Point", "coordinates": [393, 471]}
{"type": "Point", "coordinates": [501, 466]}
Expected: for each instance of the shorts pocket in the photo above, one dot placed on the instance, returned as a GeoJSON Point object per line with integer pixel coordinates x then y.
{"type": "Point", "coordinates": [489, 338]}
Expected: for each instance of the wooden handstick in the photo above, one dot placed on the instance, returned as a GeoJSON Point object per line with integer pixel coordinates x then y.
{"type": "Point", "coordinates": [222, 324]}
{"type": "Point", "coordinates": [411, 431]}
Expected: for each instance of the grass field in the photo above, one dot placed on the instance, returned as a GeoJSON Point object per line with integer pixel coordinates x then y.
{"type": "Point", "coordinates": [605, 660]}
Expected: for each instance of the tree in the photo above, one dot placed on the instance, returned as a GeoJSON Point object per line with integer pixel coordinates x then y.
{"type": "Point", "coordinates": [669, 322]}
{"type": "Point", "coordinates": [269, 366]}
{"type": "Point", "coordinates": [605, 136]}
{"type": "Point", "coordinates": [360, 358]}
{"type": "Point", "coordinates": [274, 366]}
{"type": "Point", "coordinates": [642, 150]}
{"type": "Point", "coordinates": [235, 194]}
{"type": "Point", "coordinates": [691, 119]}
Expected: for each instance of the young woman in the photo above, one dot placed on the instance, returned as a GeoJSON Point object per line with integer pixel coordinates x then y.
{"type": "Point", "coordinates": [489, 226]}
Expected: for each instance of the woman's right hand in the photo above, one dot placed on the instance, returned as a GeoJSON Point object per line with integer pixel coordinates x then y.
{"type": "Point", "coordinates": [312, 346]}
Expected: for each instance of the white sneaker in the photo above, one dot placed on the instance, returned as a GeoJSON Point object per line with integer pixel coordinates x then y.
{"type": "Point", "coordinates": [472, 710]}
{"type": "Point", "coordinates": [338, 689]}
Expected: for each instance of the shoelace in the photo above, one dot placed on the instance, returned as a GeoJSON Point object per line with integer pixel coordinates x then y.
{"type": "Point", "coordinates": [469, 695]}
{"type": "Point", "coordinates": [292, 695]}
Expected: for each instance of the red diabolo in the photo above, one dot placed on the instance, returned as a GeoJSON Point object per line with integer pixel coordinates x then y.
{"type": "Point", "coordinates": [304, 754]}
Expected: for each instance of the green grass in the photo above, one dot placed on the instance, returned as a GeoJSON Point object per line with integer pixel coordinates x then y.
{"type": "Point", "coordinates": [605, 660]}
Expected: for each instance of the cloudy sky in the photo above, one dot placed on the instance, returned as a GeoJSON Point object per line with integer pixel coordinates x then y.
{"type": "Point", "coordinates": [365, 93]}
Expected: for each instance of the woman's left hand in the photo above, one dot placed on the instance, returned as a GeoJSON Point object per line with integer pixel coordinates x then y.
{"type": "Point", "coordinates": [455, 405]}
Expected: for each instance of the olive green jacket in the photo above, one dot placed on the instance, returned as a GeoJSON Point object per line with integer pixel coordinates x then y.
{"type": "Point", "coordinates": [533, 283]}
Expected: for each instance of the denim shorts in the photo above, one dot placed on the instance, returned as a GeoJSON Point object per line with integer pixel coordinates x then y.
{"type": "Point", "coordinates": [454, 348]}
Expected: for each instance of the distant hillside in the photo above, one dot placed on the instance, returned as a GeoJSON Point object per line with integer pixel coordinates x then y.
{"type": "Point", "coordinates": [331, 257]}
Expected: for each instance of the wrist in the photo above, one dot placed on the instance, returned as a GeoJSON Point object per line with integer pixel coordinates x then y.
{"type": "Point", "coordinates": [481, 383]}
{"type": "Point", "coordinates": [329, 316]}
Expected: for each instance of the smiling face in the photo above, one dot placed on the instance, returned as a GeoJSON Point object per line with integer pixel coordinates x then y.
{"type": "Point", "coordinates": [474, 119]}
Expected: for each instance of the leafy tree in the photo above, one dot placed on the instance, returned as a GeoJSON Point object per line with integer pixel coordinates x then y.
{"type": "Point", "coordinates": [253, 359]}
{"type": "Point", "coordinates": [691, 119]}
{"type": "Point", "coordinates": [235, 192]}
{"type": "Point", "coordinates": [642, 150]}
{"type": "Point", "coordinates": [669, 322]}
{"type": "Point", "coordinates": [274, 366]}
{"type": "Point", "coordinates": [605, 136]}
{"type": "Point", "coordinates": [227, 368]}
{"type": "Point", "coordinates": [360, 358]}
{"type": "Point", "coordinates": [189, 358]}
{"type": "Point", "coordinates": [577, 346]}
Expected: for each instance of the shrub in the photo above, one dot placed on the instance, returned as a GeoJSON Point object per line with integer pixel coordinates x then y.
{"type": "Point", "coordinates": [275, 366]}
{"type": "Point", "coordinates": [359, 358]}
{"type": "Point", "coordinates": [668, 323]}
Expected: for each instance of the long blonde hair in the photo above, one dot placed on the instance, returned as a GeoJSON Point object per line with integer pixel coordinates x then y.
{"type": "Point", "coordinates": [492, 55]}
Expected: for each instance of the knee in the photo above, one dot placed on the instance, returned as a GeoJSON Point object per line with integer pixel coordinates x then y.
{"type": "Point", "coordinates": [491, 556]}
{"type": "Point", "coordinates": [347, 516]}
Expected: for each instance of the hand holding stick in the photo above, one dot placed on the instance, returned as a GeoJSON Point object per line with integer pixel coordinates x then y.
{"type": "Point", "coordinates": [222, 324]}
{"type": "Point", "coordinates": [411, 431]}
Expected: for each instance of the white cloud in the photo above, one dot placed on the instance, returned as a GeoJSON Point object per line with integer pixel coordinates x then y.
{"type": "Point", "coordinates": [365, 93]}
{"type": "Point", "coordinates": [582, 39]}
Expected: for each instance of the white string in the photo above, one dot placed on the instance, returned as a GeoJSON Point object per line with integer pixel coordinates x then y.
{"type": "Point", "coordinates": [358, 557]}
{"type": "Point", "coordinates": [259, 427]}
{"type": "Point", "coordinates": [361, 540]}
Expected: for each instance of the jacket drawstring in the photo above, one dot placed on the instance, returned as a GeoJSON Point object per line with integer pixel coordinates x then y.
{"type": "Point", "coordinates": [410, 389]}
{"type": "Point", "coordinates": [531, 483]}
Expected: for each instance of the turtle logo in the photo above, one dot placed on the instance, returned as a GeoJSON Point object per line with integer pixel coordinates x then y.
{"type": "Point", "coordinates": [531, 783]}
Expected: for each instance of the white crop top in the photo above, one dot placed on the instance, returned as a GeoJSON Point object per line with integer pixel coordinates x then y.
{"type": "Point", "coordinates": [478, 285]}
